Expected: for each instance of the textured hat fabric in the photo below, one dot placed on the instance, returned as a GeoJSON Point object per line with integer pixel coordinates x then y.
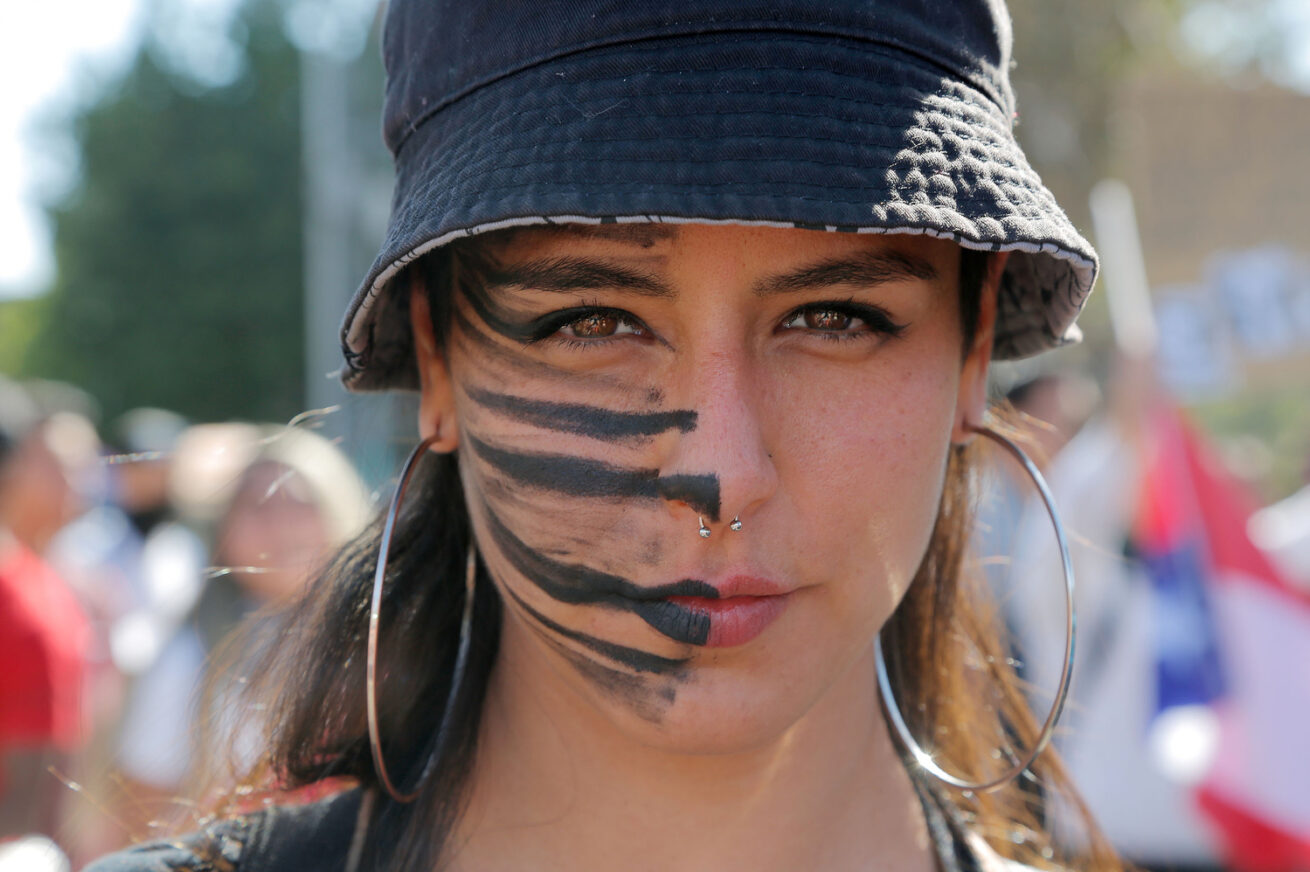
{"type": "Point", "coordinates": [883, 116]}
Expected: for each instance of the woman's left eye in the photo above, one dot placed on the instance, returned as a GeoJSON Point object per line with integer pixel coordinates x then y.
{"type": "Point", "coordinates": [823, 319]}
{"type": "Point", "coordinates": [841, 319]}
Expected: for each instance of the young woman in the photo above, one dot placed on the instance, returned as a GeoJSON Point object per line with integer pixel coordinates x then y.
{"type": "Point", "coordinates": [699, 299]}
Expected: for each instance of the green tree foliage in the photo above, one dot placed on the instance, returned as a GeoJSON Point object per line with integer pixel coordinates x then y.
{"type": "Point", "coordinates": [178, 251]}
{"type": "Point", "coordinates": [20, 322]}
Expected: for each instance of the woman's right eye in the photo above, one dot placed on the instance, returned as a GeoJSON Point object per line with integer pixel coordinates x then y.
{"type": "Point", "coordinates": [601, 325]}
{"type": "Point", "coordinates": [590, 325]}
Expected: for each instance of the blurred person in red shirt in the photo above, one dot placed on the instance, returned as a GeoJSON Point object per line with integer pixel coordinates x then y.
{"type": "Point", "coordinates": [43, 632]}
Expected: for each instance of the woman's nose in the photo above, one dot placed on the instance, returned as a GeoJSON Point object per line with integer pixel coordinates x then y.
{"type": "Point", "coordinates": [730, 439]}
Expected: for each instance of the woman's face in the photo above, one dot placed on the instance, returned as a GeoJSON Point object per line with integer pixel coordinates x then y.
{"type": "Point", "coordinates": [273, 533]}
{"type": "Point", "coordinates": [611, 388]}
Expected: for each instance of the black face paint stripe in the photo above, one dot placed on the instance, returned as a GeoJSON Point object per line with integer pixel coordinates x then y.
{"type": "Point", "coordinates": [701, 492]}
{"type": "Point", "coordinates": [480, 340]}
{"type": "Point", "coordinates": [495, 316]}
{"type": "Point", "coordinates": [592, 421]}
{"type": "Point", "coordinates": [583, 477]}
{"type": "Point", "coordinates": [476, 336]}
{"type": "Point", "coordinates": [633, 658]}
{"type": "Point", "coordinates": [648, 703]}
{"type": "Point", "coordinates": [581, 585]}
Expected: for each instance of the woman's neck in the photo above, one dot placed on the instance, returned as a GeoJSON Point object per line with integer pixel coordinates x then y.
{"type": "Point", "coordinates": [558, 787]}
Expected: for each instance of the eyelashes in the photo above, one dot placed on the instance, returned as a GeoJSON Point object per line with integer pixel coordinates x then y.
{"type": "Point", "coordinates": [591, 326]}
{"type": "Point", "coordinates": [832, 320]}
{"type": "Point", "coordinates": [585, 325]}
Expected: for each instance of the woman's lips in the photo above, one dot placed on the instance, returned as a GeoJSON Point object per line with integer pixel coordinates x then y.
{"type": "Point", "coordinates": [745, 607]}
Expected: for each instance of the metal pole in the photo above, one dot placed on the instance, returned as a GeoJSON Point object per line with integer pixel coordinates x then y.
{"type": "Point", "coordinates": [1128, 293]}
{"type": "Point", "coordinates": [331, 183]}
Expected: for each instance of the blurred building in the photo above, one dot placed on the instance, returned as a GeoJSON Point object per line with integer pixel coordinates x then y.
{"type": "Point", "coordinates": [1222, 191]}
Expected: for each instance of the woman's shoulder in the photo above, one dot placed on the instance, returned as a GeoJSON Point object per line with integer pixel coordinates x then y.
{"type": "Point", "coordinates": [219, 846]}
{"type": "Point", "coordinates": [314, 836]}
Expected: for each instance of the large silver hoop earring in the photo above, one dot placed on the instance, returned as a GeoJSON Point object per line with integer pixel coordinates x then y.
{"type": "Point", "coordinates": [911, 745]}
{"type": "Point", "coordinates": [461, 655]}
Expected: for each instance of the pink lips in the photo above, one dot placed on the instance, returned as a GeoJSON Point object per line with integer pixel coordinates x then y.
{"type": "Point", "coordinates": [745, 607]}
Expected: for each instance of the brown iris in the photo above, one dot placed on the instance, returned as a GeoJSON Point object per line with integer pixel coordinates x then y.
{"type": "Point", "coordinates": [827, 319]}
{"type": "Point", "coordinates": [595, 325]}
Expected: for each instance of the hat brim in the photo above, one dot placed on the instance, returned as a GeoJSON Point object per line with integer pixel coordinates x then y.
{"type": "Point", "coordinates": [778, 130]}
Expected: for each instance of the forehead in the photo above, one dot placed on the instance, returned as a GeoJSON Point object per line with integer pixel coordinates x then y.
{"type": "Point", "coordinates": [766, 247]}
{"type": "Point", "coordinates": [637, 236]}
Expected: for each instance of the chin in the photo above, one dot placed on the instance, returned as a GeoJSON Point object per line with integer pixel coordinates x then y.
{"type": "Point", "coordinates": [722, 710]}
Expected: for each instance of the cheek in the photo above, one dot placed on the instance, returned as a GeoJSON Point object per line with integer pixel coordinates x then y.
{"type": "Point", "coordinates": [546, 452]}
{"type": "Point", "coordinates": [550, 490]}
{"type": "Point", "coordinates": [866, 483]}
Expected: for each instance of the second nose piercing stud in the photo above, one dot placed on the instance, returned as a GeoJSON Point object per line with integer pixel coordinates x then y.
{"type": "Point", "coordinates": [705, 531]}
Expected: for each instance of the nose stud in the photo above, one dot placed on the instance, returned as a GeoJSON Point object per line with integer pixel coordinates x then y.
{"type": "Point", "coordinates": [704, 531]}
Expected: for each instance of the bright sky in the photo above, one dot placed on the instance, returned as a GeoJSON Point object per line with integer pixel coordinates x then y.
{"type": "Point", "coordinates": [48, 49]}
{"type": "Point", "coordinates": [54, 53]}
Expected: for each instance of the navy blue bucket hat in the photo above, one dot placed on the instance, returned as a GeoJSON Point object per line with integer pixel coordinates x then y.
{"type": "Point", "coordinates": [862, 116]}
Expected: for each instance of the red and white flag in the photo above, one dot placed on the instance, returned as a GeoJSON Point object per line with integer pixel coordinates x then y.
{"type": "Point", "coordinates": [1257, 791]}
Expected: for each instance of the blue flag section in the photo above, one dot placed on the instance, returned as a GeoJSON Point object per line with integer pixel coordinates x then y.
{"type": "Point", "coordinates": [1188, 668]}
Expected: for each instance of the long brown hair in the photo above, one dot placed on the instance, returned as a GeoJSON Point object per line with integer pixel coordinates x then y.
{"type": "Point", "coordinates": [946, 649]}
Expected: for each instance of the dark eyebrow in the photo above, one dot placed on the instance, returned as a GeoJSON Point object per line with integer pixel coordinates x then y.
{"type": "Point", "coordinates": [564, 275]}
{"type": "Point", "coordinates": [873, 268]}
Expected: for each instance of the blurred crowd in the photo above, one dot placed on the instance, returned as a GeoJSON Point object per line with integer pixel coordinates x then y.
{"type": "Point", "coordinates": [1186, 721]}
{"type": "Point", "coordinates": [130, 551]}
{"type": "Point", "coordinates": [125, 560]}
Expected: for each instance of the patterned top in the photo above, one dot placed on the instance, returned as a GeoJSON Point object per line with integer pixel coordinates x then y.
{"type": "Point", "coordinates": [320, 837]}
